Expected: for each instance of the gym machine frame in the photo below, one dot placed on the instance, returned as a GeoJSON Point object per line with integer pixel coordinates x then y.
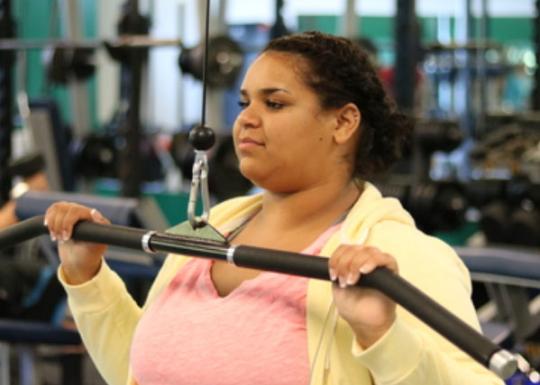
{"type": "Point", "coordinates": [7, 30]}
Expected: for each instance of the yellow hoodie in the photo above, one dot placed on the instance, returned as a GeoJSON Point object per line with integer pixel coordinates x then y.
{"type": "Point", "coordinates": [410, 353]}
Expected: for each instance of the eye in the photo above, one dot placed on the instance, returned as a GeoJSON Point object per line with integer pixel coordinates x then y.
{"type": "Point", "coordinates": [243, 104]}
{"type": "Point", "coordinates": [274, 105]}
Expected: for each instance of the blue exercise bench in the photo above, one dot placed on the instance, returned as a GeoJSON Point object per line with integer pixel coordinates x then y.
{"type": "Point", "coordinates": [511, 276]}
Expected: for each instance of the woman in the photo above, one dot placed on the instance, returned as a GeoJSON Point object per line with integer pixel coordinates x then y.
{"type": "Point", "coordinates": [315, 125]}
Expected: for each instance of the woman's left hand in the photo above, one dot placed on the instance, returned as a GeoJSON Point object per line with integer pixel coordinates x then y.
{"type": "Point", "coordinates": [369, 312]}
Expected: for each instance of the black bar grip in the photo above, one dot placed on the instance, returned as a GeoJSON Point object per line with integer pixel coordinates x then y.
{"type": "Point", "coordinates": [83, 231]}
{"type": "Point", "coordinates": [114, 235]}
{"type": "Point", "coordinates": [392, 285]}
{"type": "Point", "coordinates": [395, 287]}
{"type": "Point", "coordinates": [22, 231]}
{"type": "Point", "coordinates": [432, 313]}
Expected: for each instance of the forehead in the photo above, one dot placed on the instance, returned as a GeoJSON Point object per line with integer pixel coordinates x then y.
{"type": "Point", "coordinates": [275, 69]}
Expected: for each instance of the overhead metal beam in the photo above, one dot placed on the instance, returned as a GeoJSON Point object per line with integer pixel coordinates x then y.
{"type": "Point", "coordinates": [126, 41]}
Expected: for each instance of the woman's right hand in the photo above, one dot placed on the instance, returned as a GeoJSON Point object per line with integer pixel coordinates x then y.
{"type": "Point", "coordinates": [80, 261]}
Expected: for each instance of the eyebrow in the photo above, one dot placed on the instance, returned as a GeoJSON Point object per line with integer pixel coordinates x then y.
{"type": "Point", "coordinates": [266, 91]}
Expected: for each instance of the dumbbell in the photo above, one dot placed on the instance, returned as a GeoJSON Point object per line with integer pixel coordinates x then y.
{"type": "Point", "coordinates": [66, 64]}
{"type": "Point", "coordinates": [225, 61]}
{"type": "Point", "coordinates": [437, 206]}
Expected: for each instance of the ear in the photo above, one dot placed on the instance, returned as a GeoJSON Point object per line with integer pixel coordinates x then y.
{"type": "Point", "coordinates": [348, 123]}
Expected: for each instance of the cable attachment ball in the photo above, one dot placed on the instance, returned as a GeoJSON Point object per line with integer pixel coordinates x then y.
{"type": "Point", "coordinates": [199, 182]}
{"type": "Point", "coordinates": [202, 138]}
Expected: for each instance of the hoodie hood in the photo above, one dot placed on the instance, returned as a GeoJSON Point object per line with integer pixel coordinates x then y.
{"type": "Point", "coordinates": [371, 209]}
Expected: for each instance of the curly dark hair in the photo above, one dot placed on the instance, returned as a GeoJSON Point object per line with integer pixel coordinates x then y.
{"type": "Point", "coordinates": [340, 72]}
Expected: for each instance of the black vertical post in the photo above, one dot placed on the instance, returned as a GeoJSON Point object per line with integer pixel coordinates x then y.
{"type": "Point", "coordinates": [482, 68]}
{"type": "Point", "coordinates": [407, 47]}
{"type": "Point", "coordinates": [279, 28]}
{"type": "Point", "coordinates": [72, 368]}
{"type": "Point", "coordinates": [406, 37]}
{"type": "Point", "coordinates": [7, 30]}
{"type": "Point", "coordinates": [535, 97]}
{"type": "Point", "coordinates": [465, 75]}
{"type": "Point", "coordinates": [131, 71]}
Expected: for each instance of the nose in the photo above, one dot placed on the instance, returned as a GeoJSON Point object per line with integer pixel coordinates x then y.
{"type": "Point", "coordinates": [248, 117]}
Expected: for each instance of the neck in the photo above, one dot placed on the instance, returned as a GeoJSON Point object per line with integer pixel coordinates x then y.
{"type": "Point", "coordinates": [322, 203]}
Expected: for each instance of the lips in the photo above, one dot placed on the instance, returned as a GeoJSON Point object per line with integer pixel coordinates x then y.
{"type": "Point", "coordinates": [248, 141]}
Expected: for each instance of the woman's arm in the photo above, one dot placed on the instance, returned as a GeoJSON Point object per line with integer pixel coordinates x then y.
{"type": "Point", "coordinates": [411, 352]}
{"type": "Point", "coordinates": [106, 317]}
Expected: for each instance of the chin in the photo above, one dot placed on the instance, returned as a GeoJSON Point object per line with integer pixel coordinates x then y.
{"type": "Point", "coordinates": [270, 180]}
{"type": "Point", "coordinates": [253, 174]}
{"type": "Point", "coordinates": [277, 187]}
{"type": "Point", "coordinates": [256, 177]}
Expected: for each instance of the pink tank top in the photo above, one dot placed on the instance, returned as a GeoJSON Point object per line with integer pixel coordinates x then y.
{"type": "Point", "coordinates": [255, 335]}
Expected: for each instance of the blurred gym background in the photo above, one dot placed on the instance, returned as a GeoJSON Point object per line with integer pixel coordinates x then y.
{"type": "Point", "coordinates": [97, 99]}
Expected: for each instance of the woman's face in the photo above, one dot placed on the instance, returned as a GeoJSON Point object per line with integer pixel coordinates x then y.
{"type": "Point", "coordinates": [283, 138]}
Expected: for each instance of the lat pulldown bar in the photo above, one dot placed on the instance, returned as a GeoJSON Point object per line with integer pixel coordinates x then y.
{"type": "Point", "coordinates": [501, 361]}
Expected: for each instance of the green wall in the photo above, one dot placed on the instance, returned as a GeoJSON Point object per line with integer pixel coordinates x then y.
{"type": "Point", "coordinates": [42, 20]}
{"type": "Point", "coordinates": [502, 29]}
{"type": "Point", "coordinates": [516, 31]}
